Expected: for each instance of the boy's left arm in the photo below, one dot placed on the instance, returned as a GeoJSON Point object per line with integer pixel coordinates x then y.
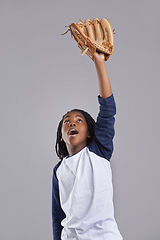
{"type": "Point", "coordinates": [102, 143]}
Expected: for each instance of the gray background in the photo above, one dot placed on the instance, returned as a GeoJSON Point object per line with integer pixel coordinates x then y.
{"type": "Point", "coordinates": [42, 75]}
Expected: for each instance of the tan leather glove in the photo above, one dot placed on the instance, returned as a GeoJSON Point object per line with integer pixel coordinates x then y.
{"type": "Point", "coordinates": [92, 36]}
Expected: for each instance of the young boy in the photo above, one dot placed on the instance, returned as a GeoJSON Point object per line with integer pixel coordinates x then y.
{"type": "Point", "coordinates": [82, 197]}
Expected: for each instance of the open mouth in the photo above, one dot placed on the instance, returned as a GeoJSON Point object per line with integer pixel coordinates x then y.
{"type": "Point", "coordinates": [73, 132]}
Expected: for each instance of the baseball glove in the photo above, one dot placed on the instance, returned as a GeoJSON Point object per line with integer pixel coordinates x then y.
{"type": "Point", "coordinates": [92, 36]}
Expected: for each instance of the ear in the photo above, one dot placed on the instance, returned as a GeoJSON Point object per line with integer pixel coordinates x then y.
{"type": "Point", "coordinates": [89, 136]}
{"type": "Point", "coordinates": [61, 139]}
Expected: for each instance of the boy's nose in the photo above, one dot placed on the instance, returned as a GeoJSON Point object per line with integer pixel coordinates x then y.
{"type": "Point", "coordinates": [72, 124]}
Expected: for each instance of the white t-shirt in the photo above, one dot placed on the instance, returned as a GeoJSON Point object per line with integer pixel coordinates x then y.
{"type": "Point", "coordinates": [86, 196]}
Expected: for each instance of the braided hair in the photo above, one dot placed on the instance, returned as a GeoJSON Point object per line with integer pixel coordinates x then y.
{"type": "Point", "coordinates": [60, 146]}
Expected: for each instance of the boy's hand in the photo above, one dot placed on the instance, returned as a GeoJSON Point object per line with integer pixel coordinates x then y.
{"type": "Point", "coordinates": [98, 57]}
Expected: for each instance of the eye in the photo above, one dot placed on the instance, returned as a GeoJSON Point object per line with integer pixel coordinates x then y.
{"type": "Point", "coordinates": [79, 120]}
{"type": "Point", "coordinates": [66, 121]}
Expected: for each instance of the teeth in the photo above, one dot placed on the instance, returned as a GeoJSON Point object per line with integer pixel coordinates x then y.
{"type": "Point", "coordinates": [73, 130]}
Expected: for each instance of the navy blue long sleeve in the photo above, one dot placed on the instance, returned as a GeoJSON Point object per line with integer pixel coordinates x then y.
{"type": "Point", "coordinates": [102, 143]}
{"type": "Point", "coordinates": [57, 213]}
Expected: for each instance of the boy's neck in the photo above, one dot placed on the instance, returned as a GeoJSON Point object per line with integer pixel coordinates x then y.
{"type": "Point", "coordinates": [72, 150]}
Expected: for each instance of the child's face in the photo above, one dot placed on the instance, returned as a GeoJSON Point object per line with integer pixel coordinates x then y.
{"type": "Point", "coordinates": [75, 130]}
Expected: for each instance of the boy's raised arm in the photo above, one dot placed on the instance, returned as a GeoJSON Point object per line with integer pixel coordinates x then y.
{"type": "Point", "coordinates": [102, 143]}
{"type": "Point", "coordinates": [104, 82]}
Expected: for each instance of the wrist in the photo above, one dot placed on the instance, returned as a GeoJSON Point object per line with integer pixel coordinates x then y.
{"type": "Point", "coordinates": [99, 58]}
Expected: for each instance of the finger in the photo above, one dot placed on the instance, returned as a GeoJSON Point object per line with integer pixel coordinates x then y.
{"type": "Point", "coordinates": [98, 30]}
{"type": "Point", "coordinates": [90, 29]}
{"type": "Point", "coordinates": [108, 31]}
